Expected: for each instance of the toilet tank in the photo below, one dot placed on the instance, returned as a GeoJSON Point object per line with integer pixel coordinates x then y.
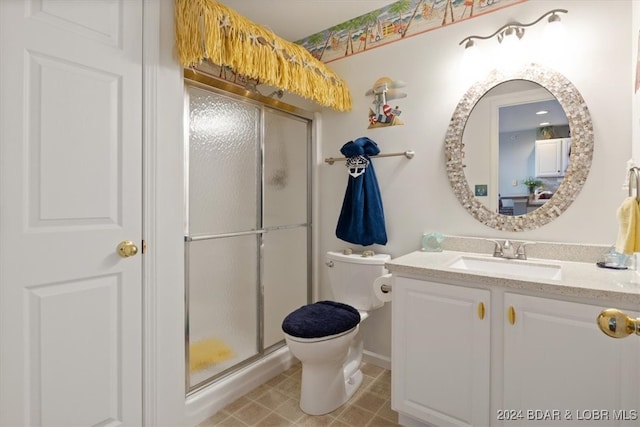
{"type": "Point", "coordinates": [351, 277]}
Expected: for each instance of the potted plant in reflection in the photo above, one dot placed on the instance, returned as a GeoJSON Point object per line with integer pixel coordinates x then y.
{"type": "Point", "coordinates": [532, 184]}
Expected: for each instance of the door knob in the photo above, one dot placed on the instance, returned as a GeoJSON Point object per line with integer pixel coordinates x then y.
{"type": "Point", "coordinates": [127, 248]}
{"type": "Point", "coordinates": [617, 324]}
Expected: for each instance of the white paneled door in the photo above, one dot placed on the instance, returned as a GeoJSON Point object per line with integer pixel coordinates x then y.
{"type": "Point", "coordinates": [70, 192]}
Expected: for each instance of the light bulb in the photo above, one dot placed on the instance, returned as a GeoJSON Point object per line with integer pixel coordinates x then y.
{"type": "Point", "coordinates": [554, 31]}
{"type": "Point", "coordinates": [510, 54]}
{"type": "Point", "coordinates": [473, 65]}
{"type": "Point", "coordinates": [553, 44]}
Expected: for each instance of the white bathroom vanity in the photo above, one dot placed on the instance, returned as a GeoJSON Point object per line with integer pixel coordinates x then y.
{"type": "Point", "coordinates": [511, 343]}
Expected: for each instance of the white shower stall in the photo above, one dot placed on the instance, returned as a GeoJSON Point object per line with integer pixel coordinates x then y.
{"type": "Point", "coordinates": [248, 228]}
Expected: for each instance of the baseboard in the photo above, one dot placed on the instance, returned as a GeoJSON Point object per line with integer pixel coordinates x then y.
{"type": "Point", "coordinates": [210, 400]}
{"type": "Point", "coordinates": [407, 421]}
{"type": "Point", "coordinates": [376, 359]}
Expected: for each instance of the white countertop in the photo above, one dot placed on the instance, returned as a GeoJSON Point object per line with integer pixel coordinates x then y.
{"type": "Point", "coordinates": [579, 279]}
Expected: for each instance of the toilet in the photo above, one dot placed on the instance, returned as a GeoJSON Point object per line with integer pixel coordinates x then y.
{"type": "Point", "coordinates": [325, 336]}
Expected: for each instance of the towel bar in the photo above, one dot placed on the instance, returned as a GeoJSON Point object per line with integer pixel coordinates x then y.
{"type": "Point", "coordinates": [408, 154]}
{"type": "Point", "coordinates": [634, 171]}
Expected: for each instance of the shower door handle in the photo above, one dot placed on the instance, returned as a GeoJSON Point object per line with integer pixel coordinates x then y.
{"type": "Point", "coordinates": [218, 236]}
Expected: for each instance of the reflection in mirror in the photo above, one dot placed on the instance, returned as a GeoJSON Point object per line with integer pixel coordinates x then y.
{"type": "Point", "coordinates": [474, 169]}
{"type": "Point", "coordinates": [517, 132]}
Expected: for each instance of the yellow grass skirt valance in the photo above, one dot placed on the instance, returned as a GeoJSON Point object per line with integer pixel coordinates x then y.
{"type": "Point", "coordinates": [206, 29]}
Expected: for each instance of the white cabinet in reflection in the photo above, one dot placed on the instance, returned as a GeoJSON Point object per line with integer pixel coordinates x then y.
{"type": "Point", "coordinates": [552, 157]}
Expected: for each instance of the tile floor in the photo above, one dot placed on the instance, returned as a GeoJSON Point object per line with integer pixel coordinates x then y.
{"type": "Point", "coordinates": [276, 404]}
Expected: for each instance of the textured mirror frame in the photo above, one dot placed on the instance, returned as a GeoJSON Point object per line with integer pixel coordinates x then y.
{"type": "Point", "coordinates": [581, 129]}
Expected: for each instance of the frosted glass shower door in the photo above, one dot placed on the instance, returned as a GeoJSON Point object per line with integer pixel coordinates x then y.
{"type": "Point", "coordinates": [247, 236]}
{"type": "Point", "coordinates": [223, 233]}
{"type": "Point", "coordinates": [286, 218]}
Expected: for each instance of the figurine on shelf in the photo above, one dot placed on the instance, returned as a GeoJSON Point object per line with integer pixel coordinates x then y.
{"type": "Point", "coordinates": [383, 91]}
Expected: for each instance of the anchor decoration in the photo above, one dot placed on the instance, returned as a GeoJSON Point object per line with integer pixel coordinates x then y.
{"type": "Point", "coordinates": [382, 114]}
{"type": "Point", "coordinates": [357, 165]}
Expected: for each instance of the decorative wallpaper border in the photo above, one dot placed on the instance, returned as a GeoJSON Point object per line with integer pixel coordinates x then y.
{"type": "Point", "coordinates": [395, 22]}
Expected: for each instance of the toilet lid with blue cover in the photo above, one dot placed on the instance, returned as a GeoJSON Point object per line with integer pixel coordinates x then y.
{"type": "Point", "coordinates": [321, 319]}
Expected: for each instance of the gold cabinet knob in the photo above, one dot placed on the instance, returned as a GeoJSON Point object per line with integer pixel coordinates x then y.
{"type": "Point", "coordinates": [617, 324]}
{"type": "Point", "coordinates": [511, 315]}
{"type": "Point", "coordinates": [127, 248]}
{"type": "Point", "coordinates": [481, 310]}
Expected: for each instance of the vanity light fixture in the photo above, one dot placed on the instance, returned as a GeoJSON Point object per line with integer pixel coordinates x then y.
{"type": "Point", "coordinates": [513, 29]}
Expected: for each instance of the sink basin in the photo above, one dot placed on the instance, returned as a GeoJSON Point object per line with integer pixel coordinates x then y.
{"type": "Point", "coordinates": [525, 269]}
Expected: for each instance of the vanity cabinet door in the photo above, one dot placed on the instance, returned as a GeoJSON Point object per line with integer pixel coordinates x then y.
{"type": "Point", "coordinates": [560, 369]}
{"type": "Point", "coordinates": [440, 359]}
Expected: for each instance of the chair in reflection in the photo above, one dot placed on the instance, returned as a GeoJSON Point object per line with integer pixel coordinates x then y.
{"type": "Point", "coordinates": [505, 206]}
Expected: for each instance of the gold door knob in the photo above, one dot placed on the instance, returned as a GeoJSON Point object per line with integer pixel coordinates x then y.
{"type": "Point", "coordinates": [127, 248]}
{"type": "Point", "coordinates": [617, 324]}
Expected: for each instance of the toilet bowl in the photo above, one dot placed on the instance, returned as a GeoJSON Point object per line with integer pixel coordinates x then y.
{"type": "Point", "coordinates": [326, 336]}
{"type": "Point", "coordinates": [324, 369]}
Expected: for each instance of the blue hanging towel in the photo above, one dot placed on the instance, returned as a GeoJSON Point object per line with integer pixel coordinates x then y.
{"type": "Point", "coordinates": [361, 219]}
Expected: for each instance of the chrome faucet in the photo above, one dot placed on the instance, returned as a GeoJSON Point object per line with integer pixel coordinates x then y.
{"type": "Point", "coordinates": [508, 250]}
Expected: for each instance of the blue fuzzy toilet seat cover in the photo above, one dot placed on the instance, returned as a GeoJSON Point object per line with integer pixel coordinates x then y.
{"type": "Point", "coordinates": [321, 319]}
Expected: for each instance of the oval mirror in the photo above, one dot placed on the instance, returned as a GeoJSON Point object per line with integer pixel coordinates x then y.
{"type": "Point", "coordinates": [489, 174]}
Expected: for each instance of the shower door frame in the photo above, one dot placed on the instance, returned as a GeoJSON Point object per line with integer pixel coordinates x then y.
{"type": "Point", "coordinates": [205, 82]}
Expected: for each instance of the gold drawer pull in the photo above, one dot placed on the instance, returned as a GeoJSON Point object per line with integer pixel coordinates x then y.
{"type": "Point", "coordinates": [481, 310]}
{"type": "Point", "coordinates": [511, 315]}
